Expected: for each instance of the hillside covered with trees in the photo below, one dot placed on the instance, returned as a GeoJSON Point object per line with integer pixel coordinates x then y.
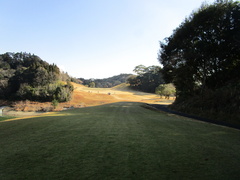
{"type": "Point", "coordinates": [202, 59]}
{"type": "Point", "coordinates": [106, 82]}
{"type": "Point", "coordinates": [26, 76]}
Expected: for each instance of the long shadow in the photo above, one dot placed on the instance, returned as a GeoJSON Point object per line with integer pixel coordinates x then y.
{"type": "Point", "coordinates": [165, 108]}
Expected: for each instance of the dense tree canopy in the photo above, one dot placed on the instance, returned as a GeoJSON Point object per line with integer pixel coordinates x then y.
{"type": "Point", "coordinates": [147, 79]}
{"type": "Point", "coordinates": [26, 76]}
{"type": "Point", "coordinates": [204, 51]}
{"type": "Point", "coordinates": [202, 59]}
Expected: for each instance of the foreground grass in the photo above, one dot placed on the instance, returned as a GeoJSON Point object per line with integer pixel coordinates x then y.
{"type": "Point", "coordinates": [3, 118]}
{"type": "Point", "coordinates": [117, 141]}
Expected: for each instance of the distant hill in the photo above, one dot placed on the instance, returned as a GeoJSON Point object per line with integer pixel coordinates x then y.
{"type": "Point", "coordinates": [106, 82]}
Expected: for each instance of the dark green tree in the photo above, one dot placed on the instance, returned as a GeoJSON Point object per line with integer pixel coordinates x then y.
{"type": "Point", "coordinates": [92, 84]}
{"type": "Point", "coordinates": [147, 80]}
{"type": "Point", "coordinates": [63, 93]}
{"type": "Point", "coordinates": [204, 51]}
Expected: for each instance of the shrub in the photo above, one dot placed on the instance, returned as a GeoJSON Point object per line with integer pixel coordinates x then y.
{"type": "Point", "coordinates": [166, 90]}
{"type": "Point", "coordinates": [54, 103]}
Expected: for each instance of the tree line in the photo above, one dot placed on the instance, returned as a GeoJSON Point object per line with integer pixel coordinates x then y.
{"type": "Point", "coordinates": [147, 78]}
{"type": "Point", "coordinates": [202, 59]}
{"type": "Point", "coordinates": [150, 79]}
{"type": "Point", "coordinates": [106, 82]}
{"type": "Point", "coordinates": [26, 76]}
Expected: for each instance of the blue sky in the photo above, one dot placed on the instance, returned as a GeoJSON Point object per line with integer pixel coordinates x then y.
{"type": "Point", "coordinates": [91, 38]}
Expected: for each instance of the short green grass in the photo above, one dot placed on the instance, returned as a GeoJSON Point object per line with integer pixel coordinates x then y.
{"type": "Point", "coordinates": [117, 141]}
{"type": "Point", "coordinates": [3, 118]}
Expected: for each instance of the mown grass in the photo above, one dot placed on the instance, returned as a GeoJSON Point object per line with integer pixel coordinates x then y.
{"type": "Point", "coordinates": [117, 141]}
{"type": "Point", "coordinates": [3, 118]}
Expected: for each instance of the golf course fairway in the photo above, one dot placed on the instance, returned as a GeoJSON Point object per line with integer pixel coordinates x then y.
{"type": "Point", "coordinates": [117, 141]}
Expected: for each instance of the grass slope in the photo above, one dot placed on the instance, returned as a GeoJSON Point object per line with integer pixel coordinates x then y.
{"type": "Point", "coordinates": [117, 141]}
{"type": "Point", "coordinates": [84, 97]}
{"type": "Point", "coordinates": [120, 93]}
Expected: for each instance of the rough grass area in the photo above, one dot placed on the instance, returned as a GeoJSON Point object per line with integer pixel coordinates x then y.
{"type": "Point", "coordinates": [117, 141]}
{"type": "Point", "coordinates": [222, 104]}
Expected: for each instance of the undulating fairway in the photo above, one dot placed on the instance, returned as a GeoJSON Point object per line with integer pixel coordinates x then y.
{"type": "Point", "coordinates": [117, 141]}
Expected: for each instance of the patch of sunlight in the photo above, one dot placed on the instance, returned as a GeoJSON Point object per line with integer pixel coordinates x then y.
{"type": "Point", "coordinates": [28, 117]}
{"type": "Point", "coordinates": [65, 114]}
{"type": "Point", "coordinates": [49, 114]}
{"type": "Point", "coordinates": [57, 114]}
